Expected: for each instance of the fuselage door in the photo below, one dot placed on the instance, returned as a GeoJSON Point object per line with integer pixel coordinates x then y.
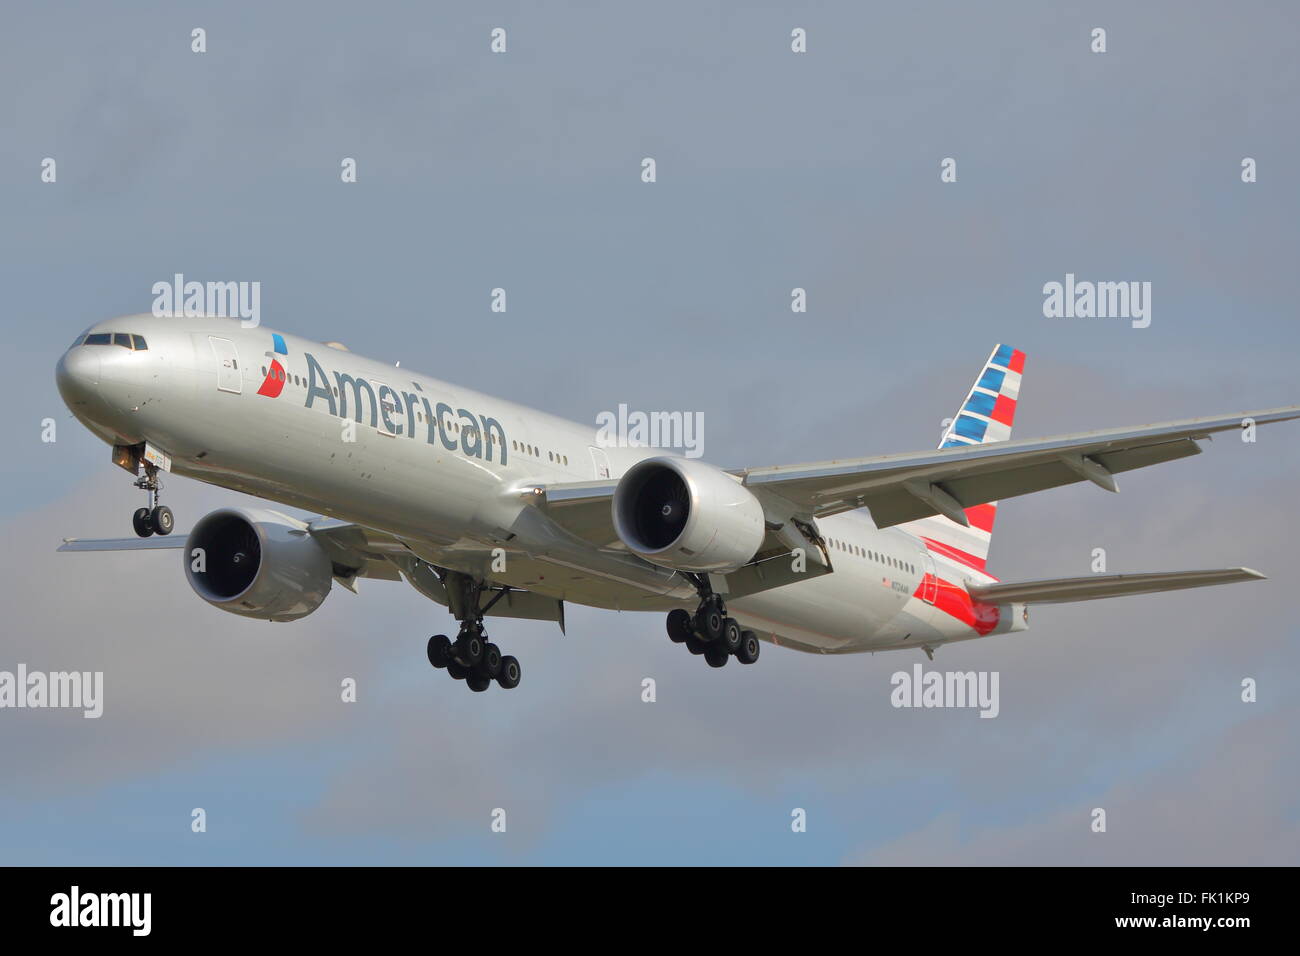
{"type": "Point", "coordinates": [930, 586]}
{"type": "Point", "coordinates": [229, 378]}
{"type": "Point", "coordinates": [600, 461]}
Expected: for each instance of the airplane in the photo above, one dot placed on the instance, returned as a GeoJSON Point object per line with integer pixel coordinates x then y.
{"type": "Point", "coordinates": [494, 509]}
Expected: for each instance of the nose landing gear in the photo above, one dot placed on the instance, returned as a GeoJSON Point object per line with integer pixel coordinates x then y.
{"type": "Point", "coordinates": [157, 518]}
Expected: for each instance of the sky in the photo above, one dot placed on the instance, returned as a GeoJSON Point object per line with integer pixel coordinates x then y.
{"type": "Point", "coordinates": [775, 170]}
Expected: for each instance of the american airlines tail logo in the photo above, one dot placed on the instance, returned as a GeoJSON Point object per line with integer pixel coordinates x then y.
{"type": "Point", "coordinates": [275, 376]}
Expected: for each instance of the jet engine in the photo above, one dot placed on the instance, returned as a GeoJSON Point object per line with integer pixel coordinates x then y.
{"type": "Point", "coordinates": [257, 563]}
{"type": "Point", "coordinates": [683, 514]}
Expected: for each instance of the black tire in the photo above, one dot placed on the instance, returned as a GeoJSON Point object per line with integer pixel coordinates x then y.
{"type": "Point", "coordinates": [490, 665]}
{"type": "Point", "coordinates": [731, 635]}
{"type": "Point", "coordinates": [716, 655]}
{"type": "Point", "coordinates": [709, 622]}
{"type": "Point", "coordinates": [695, 645]}
{"type": "Point", "coordinates": [478, 683]}
{"type": "Point", "coordinates": [161, 520]}
{"type": "Point", "coordinates": [140, 521]}
{"type": "Point", "coordinates": [469, 649]}
{"type": "Point", "coordinates": [439, 650]}
{"type": "Point", "coordinates": [509, 674]}
{"type": "Point", "coordinates": [679, 625]}
{"type": "Point", "coordinates": [750, 645]}
{"type": "Point", "coordinates": [457, 671]}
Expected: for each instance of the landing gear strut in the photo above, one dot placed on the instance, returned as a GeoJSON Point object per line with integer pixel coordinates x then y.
{"type": "Point", "coordinates": [709, 632]}
{"type": "Point", "coordinates": [157, 518]}
{"type": "Point", "coordinates": [472, 657]}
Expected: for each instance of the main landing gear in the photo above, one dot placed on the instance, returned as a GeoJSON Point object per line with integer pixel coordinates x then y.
{"type": "Point", "coordinates": [711, 633]}
{"type": "Point", "coordinates": [472, 657]}
{"type": "Point", "coordinates": [157, 518]}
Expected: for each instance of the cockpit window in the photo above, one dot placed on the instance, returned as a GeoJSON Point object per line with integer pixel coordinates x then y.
{"type": "Point", "coordinates": [125, 339]}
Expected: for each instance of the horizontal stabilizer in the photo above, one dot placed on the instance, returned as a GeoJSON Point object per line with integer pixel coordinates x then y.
{"type": "Point", "coordinates": [123, 544]}
{"type": "Point", "coordinates": [1093, 587]}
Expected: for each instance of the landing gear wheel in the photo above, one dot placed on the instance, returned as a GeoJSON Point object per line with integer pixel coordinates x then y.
{"type": "Point", "coordinates": [140, 521]}
{"type": "Point", "coordinates": [679, 625]}
{"type": "Point", "coordinates": [695, 645]}
{"type": "Point", "coordinates": [709, 621]}
{"type": "Point", "coordinates": [747, 653]}
{"type": "Point", "coordinates": [439, 650]}
{"type": "Point", "coordinates": [469, 649]}
{"type": "Point", "coordinates": [730, 635]}
{"type": "Point", "coordinates": [508, 675]}
{"type": "Point", "coordinates": [478, 683]}
{"type": "Point", "coordinates": [161, 520]}
{"type": "Point", "coordinates": [716, 655]}
{"type": "Point", "coordinates": [490, 665]}
{"type": "Point", "coordinates": [457, 671]}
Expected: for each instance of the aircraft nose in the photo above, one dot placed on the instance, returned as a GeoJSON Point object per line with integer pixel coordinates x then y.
{"type": "Point", "coordinates": [77, 374]}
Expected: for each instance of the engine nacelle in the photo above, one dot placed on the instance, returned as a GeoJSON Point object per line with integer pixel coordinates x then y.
{"type": "Point", "coordinates": [257, 563]}
{"type": "Point", "coordinates": [683, 514]}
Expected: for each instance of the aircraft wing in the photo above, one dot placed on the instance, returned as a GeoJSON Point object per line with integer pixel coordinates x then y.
{"type": "Point", "coordinates": [901, 488]}
{"type": "Point", "coordinates": [123, 544]}
{"type": "Point", "coordinates": [362, 552]}
{"type": "Point", "coordinates": [1093, 587]}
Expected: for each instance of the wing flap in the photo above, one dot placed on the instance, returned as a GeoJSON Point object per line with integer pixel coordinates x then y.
{"type": "Point", "coordinates": [1095, 587]}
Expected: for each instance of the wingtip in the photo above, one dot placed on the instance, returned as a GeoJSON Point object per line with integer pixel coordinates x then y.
{"type": "Point", "coordinates": [1252, 573]}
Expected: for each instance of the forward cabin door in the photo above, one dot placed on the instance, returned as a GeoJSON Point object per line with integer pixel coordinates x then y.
{"type": "Point", "coordinates": [229, 378]}
{"type": "Point", "coordinates": [600, 461]}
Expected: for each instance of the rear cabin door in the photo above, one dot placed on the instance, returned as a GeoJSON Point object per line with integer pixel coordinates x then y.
{"type": "Point", "coordinates": [930, 587]}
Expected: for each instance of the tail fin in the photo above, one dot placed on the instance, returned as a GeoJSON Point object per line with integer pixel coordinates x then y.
{"type": "Point", "coordinates": [985, 416]}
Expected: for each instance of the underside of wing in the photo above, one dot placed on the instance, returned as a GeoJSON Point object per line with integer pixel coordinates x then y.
{"type": "Point", "coordinates": [1095, 587]}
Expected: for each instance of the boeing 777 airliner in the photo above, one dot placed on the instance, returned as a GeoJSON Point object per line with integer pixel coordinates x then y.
{"type": "Point", "coordinates": [494, 509]}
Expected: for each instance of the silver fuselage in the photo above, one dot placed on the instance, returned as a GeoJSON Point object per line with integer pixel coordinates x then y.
{"type": "Point", "coordinates": [414, 468]}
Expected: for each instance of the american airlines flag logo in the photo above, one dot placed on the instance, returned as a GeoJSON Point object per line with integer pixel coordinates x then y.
{"type": "Point", "coordinates": [275, 377]}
